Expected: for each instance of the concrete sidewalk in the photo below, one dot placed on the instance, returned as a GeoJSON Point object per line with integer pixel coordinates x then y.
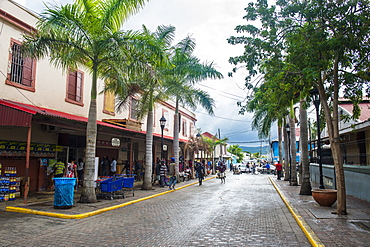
{"type": "Point", "coordinates": [331, 229]}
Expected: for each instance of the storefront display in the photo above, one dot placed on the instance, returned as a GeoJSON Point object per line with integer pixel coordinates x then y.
{"type": "Point", "coordinates": [9, 184]}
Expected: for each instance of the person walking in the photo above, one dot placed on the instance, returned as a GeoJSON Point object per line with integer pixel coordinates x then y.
{"type": "Point", "coordinates": [172, 174]}
{"type": "Point", "coordinates": [71, 171]}
{"type": "Point", "coordinates": [80, 171]}
{"type": "Point", "coordinates": [222, 170]}
{"type": "Point", "coordinates": [279, 170]}
{"type": "Point", "coordinates": [200, 173]}
{"type": "Point", "coordinates": [138, 170]}
{"type": "Point", "coordinates": [162, 173]}
{"type": "Point", "coordinates": [58, 169]}
{"type": "Point", "coordinates": [113, 167]}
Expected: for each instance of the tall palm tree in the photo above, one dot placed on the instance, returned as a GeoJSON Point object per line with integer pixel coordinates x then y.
{"type": "Point", "coordinates": [180, 80]}
{"type": "Point", "coordinates": [306, 184]}
{"type": "Point", "coordinates": [148, 85]}
{"type": "Point", "coordinates": [87, 34]}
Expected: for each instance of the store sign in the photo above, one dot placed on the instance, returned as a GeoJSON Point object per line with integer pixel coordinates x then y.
{"type": "Point", "coordinates": [164, 147]}
{"type": "Point", "coordinates": [116, 142]}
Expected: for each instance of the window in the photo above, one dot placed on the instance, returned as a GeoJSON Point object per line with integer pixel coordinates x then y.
{"type": "Point", "coordinates": [22, 69]}
{"type": "Point", "coordinates": [74, 87]}
{"type": "Point", "coordinates": [166, 115]}
{"type": "Point", "coordinates": [133, 108]}
{"type": "Point", "coordinates": [109, 103]}
{"type": "Point", "coordinates": [184, 128]}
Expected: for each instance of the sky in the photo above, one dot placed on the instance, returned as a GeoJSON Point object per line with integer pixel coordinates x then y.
{"type": "Point", "coordinates": [210, 23]}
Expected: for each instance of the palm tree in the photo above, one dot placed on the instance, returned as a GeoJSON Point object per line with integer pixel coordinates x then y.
{"type": "Point", "coordinates": [148, 86]}
{"type": "Point", "coordinates": [212, 144]}
{"type": "Point", "coordinates": [87, 34]}
{"type": "Point", "coordinates": [306, 184]}
{"type": "Point", "coordinates": [180, 80]}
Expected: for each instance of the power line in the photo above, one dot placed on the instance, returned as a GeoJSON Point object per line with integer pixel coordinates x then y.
{"type": "Point", "coordinates": [239, 97]}
{"type": "Point", "coordinates": [243, 121]}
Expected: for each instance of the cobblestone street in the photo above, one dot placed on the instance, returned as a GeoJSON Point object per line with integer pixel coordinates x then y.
{"type": "Point", "coordinates": [246, 211]}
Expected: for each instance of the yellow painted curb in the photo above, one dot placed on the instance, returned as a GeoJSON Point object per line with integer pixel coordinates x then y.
{"type": "Point", "coordinates": [99, 211]}
{"type": "Point", "coordinates": [310, 234]}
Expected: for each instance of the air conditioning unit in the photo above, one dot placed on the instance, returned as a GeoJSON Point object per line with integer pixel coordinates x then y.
{"type": "Point", "coordinates": [49, 128]}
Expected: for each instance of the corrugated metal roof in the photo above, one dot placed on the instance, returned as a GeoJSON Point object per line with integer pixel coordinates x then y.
{"type": "Point", "coordinates": [13, 117]}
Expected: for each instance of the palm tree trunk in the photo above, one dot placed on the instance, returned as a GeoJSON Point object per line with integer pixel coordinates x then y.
{"type": "Point", "coordinates": [147, 182]}
{"type": "Point", "coordinates": [286, 154]}
{"type": "Point", "coordinates": [293, 151]}
{"type": "Point", "coordinates": [280, 139]}
{"type": "Point", "coordinates": [176, 146]}
{"type": "Point", "coordinates": [306, 184]}
{"type": "Point", "coordinates": [88, 191]}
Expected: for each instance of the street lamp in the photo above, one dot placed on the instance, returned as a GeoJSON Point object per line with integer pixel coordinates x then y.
{"type": "Point", "coordinates": [198, 135]}
{"type": "Point", "coordinates": [287, 127]}
{"type": "Point", "coordinates": [162, 122]}
{"type": "Point", "coordinates": [316, 101]}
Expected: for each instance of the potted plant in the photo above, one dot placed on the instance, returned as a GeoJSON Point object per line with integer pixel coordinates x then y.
{"type": "Point", "coordinates": [324, 197]}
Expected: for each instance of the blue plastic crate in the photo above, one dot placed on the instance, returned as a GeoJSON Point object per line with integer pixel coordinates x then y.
{"type": "Point", "coordinates": [111, 184]}
{"type": "Point", "coordinates": [128, 182]}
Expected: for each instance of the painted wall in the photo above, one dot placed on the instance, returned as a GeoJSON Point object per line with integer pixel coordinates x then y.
{"type": "Point", "coordinates": [357, 179]}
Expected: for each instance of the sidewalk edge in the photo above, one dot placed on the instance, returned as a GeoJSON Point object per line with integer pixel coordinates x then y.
{"type": "Point", "coordinates": [310, 234]}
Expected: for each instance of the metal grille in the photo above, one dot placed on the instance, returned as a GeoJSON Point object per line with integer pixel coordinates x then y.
{"type": "Point", "coordinates": [16, 72]}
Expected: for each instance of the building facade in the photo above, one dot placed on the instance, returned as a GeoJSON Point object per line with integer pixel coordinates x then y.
{"type": "Point", "coordinates": [44, 111]}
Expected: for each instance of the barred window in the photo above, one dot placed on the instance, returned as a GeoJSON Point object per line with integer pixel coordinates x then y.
{"type": "Point", "coordinates": [184, 128]}
{"type": "Point", "coordinates": [133, 108]}
{"type": "Point", "coordinates": [21, 71]}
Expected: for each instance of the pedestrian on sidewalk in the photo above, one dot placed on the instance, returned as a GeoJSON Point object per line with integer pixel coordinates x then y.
{"type": "Point", "coordinates": [113, 167]}
{"type": "Point", "coordinates": [71, 171]}
{"type": "Point", "coordinates": [162, 173]}
{"type": "Point", "coordinates": [222, 169]}
{"type": "Point", "coordinates": [172, 174]}
{"type": "Point", "coordinates": [279, 170]}
{"type": "Point", "coordinates": [58, 169]}
{"type": "Point", "coordinates": [200, 173]}
{"type": "Point", "coordinates": [80, 171]}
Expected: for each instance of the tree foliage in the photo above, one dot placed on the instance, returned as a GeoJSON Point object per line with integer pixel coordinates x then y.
{"type": "Point", "coordinates": [300, 45]}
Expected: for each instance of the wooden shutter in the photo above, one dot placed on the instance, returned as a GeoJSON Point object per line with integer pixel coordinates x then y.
{"type": "Point", "coordinates": [27, 71]}
{"type": "Point", "coordinates": [72, 79]}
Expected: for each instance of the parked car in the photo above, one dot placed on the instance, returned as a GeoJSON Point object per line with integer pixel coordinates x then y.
{"type": "Point", "coordinates": [263, 170]}
{"type": "Point", "coordinates": [242, 167]}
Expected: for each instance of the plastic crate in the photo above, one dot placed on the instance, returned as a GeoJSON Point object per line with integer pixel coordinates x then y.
{"type": "Point", "coordinates": [111, 184]}
{"type": "Point", "coordinates": [128, 182]}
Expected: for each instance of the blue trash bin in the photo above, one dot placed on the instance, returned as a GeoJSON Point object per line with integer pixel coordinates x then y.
{"type": "Point", "coordinates": [64, 192]}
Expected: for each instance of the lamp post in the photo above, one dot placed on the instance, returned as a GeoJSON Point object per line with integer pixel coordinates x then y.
{"type": "Point", "coordinates": [198, 137]}
{"type": "Point", "coordinates": [287, 127]}
{"type": "Point", "coordinates": [162, 122]}
{"type": "Point", "coordinates": [316, 101]}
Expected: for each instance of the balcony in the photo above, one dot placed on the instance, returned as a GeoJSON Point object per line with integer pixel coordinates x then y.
{"type": "Point", "coordinates": [125, 123]}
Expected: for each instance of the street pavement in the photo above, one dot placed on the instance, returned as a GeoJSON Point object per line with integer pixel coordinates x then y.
{"type": "Point", "coordinates": [246, 211]}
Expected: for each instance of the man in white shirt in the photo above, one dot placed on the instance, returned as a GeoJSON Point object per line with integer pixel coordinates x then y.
{"type": "Point", "coordinates": [113, 167]}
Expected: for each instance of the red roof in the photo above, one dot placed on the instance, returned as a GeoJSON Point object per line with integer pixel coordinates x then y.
{"type": "Point", "coordinates": [365, 109]}
{"type": "Point", "coordinates": [209, 135]}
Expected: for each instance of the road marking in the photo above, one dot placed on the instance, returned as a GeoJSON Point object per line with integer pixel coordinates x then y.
{"type": "Point", "coordinates": [310, 234]}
